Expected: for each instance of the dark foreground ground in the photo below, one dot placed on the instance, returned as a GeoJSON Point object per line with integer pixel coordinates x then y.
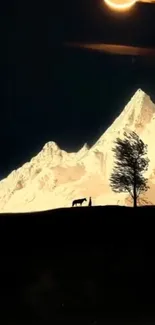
{"type": "Point", "coordinates": [78, 266]}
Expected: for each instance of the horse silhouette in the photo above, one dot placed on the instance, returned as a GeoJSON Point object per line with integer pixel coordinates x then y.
{"type": "Point", "coordinates": [79, 201]}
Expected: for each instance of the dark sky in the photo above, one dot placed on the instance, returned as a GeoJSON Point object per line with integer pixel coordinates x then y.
{"type": "Point", "coordinates": [50, 92]}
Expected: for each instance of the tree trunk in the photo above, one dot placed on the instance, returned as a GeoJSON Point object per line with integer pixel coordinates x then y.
{"type": "Point", "coordinates": [134, 197]}
{"type": "Point", "coordinates": [135, 189]}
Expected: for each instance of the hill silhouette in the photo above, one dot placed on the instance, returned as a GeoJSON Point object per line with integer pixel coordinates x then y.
{"type": "Point", "coordinates": [84, 265]}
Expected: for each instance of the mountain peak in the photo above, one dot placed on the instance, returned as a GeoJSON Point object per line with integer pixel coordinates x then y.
{"type": "Point", "coordinates": [84, 148]}
{"type": "Point", "coordinates": [139, 91]}
{"type": "Point", "coordinates": [139, 111]}
{"type": "Point", "coordinates": [51, 146]}
{"type": "Point", "coordinates": [135, 116]}
{"type": "Point", "coordinates": [138, 96]}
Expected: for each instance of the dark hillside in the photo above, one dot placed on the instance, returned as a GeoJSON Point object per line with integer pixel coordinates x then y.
{"type": "Point", "coordinates": [78, 266]}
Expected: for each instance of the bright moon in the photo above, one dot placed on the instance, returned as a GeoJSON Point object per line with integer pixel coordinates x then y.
{"type": "Point", "coordinates": [120, 4]}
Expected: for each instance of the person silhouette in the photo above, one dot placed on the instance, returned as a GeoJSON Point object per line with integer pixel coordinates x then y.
{"type": "Point", "coordinates": [90, 202]}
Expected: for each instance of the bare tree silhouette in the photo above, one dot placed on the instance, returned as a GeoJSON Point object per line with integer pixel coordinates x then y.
{"type": "Point", "coordinates": [130, 164]}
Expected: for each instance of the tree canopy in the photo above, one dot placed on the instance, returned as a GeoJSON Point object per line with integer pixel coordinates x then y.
{"type": "Point", "coordinates": [130, 164]}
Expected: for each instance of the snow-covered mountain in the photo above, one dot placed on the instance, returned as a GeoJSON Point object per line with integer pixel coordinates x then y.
{"type": "Point", "coordinates": [55, 177]}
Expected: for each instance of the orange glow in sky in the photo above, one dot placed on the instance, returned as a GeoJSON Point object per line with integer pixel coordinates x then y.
{"type": "Point", "coordinates": [120, 5]}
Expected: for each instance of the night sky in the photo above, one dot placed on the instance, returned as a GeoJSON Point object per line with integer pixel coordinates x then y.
{"type": "Point", "coordinates": [50, 92]}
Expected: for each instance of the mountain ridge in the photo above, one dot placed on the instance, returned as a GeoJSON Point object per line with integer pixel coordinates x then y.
{"type": "Point", "coordinates": [54, 177]}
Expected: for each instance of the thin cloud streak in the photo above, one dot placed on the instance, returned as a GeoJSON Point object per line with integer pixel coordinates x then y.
{"type": "Point", "coordinates": [147, 1]}
{"type": "Point", "coordinates": [114, 49]}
